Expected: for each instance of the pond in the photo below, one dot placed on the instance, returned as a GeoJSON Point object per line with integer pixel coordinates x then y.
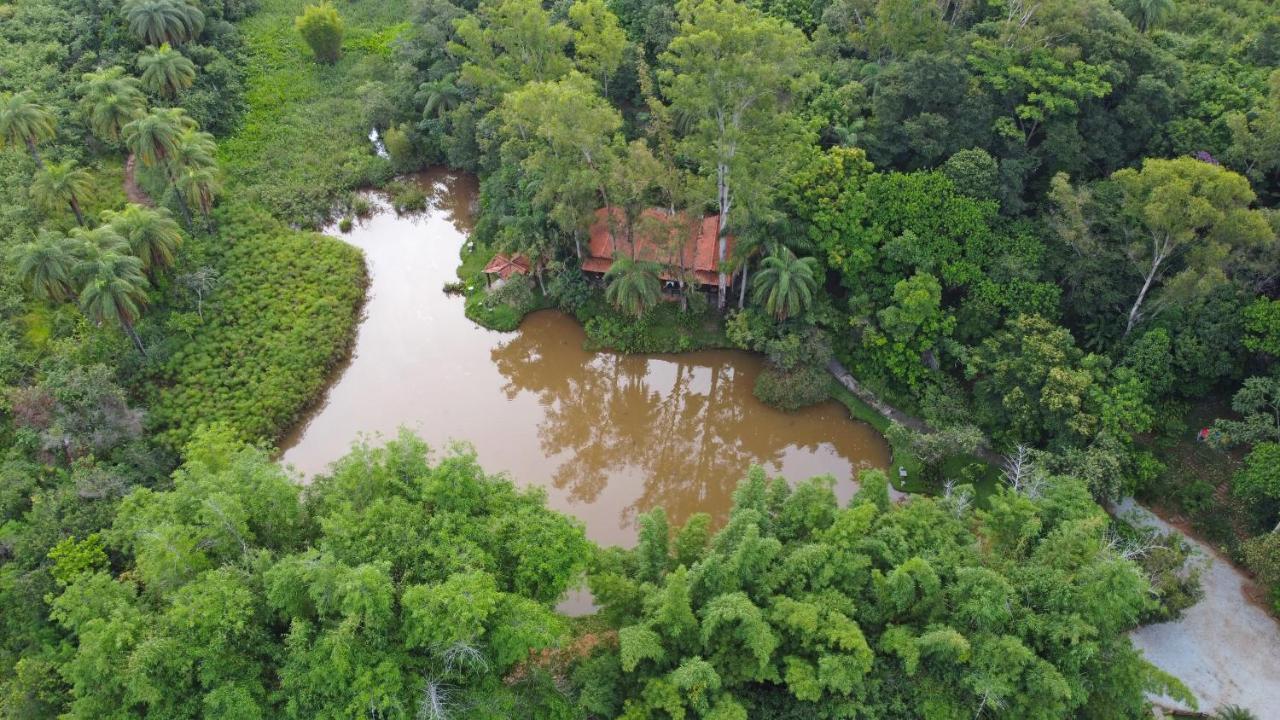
{"type": "Point", "coordinates": [608, 436]}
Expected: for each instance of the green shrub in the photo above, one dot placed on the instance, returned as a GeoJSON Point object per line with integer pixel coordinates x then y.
{"type": "Point", "coordinates": [793, 389]}
{"type": "Point", "coordinates": [345, 224]}
{"type": "Point", "coordinates": [322, 28]}
{"type": "Point", "coordinates": [1196, 497]}
{"type": "Point", "coordinates": [399, 144]}
{"type": "Point", "coordinates": [569, 290]}
{"type": "Point", "coordinates": [406, 197]}
{"type": "Point", "coordinates": [504, 307]}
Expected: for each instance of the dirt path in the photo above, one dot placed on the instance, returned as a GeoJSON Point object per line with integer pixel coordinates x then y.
{"type": "Point", "coordinates": [1224, 648]}
{"type": "Point", "coordinates": [132, 191]}
{"type": "Point", "coordinates": [851, 383]}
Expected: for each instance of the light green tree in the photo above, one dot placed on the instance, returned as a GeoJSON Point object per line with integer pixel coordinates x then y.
{"type": "Point", "coordinates": [61, 185]}
{"type": "Point", "coordinates": [507, 43]}
{"type": "Point", "coordinates": [907, 333]}
{"type": "Point", "coordinates": [798, 603]}
{"type": "Point", "coordinates": [563, 133]}
{"type": "Point", "coordinates": [731, 74]}
{"type": "Point", "coordinates": [322, 28]}
{"type": "Point", "coordinates": [25, 122]}
{"type": "Point", "coordinates": [346, 599]}
{"type": "Point", "coordinates": [166, 71]}
{"type": "Point", "coordinates": [598, 40]}
{"type": "Point", "coordinates": [1187, 209]}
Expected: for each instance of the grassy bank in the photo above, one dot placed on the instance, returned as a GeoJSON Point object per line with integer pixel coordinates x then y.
{"type": "Point", "coordinates": [287, 302]}
{"type": "Point", "coordinates": [984, 478]}
{"type": "Point", "coordinates": [303, 140]}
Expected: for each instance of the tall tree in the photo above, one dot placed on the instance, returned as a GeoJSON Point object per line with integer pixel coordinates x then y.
{"type": "Point", "coordinates": [110, 100]}
{"type": "Point", "coordinates": [563, 133]}
{"type": "Point", "coordinates": [731, 73]}
{"type": "Point", "coordinates": [1190, 210]}
{"type": "Point", "coordinates": [163, 21]}
{"type": "Point", "coordinates": [785, 284]}
{"type": "Point", "coordinates": [166, 71]}
{"type": "Point", "coordinates": [61, 185]}
{"type": "Point", "coordinates": [115, 291]}
{"type": "Point", "coordinates": [154, 136]}
{"type": "Point", "coordinates": [507, 43]}
{"type": "Point", "coordinates": [25, 122]}
{"type": "Point", "coordinates": [598, 41]}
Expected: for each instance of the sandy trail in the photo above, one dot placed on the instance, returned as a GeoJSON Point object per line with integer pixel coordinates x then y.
{"type": "Point", "coordinates": [1225, 649]}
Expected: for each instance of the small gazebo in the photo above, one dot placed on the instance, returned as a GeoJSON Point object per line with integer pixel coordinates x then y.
{"type": "Point", "coordinates": [504, 267]}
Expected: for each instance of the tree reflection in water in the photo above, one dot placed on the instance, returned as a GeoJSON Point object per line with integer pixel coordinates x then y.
{"type": "Point", "coordinates": [687, 425]}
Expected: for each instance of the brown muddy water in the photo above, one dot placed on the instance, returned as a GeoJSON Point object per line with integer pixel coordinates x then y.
{"type": "Point", "coordinates": [608, 436]}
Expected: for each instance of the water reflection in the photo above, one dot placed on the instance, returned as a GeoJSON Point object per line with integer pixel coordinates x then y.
{"type": "Point", "coordinates": [687, 424]}
{"type": "Point", "coordinates": [607, 436]}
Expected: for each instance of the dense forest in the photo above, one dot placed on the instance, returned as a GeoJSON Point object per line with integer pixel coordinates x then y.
{"type": "Point", "coordinates": [1047, 231]}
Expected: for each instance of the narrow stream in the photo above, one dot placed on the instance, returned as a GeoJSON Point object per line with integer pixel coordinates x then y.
{"type": "Point", "coordinates": [608, 436]}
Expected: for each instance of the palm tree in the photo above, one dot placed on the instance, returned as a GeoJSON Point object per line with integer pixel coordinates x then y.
{"type": "Point", "coordinates": [438, 97]}
{"type": "Point", "coordinates": [60, 185]}
{"type": "Point", "coordinates": [163, 21]}
{"type": "Point", "coordinates": [634, 286]}
{"type": "Point", "coordinates": [195, 149]}
{"type": "Point", "coordinates": [109, 100]}
{"type": "Point", "coordinates": [152, 235]}
{"type": "Point", "coordinates": [785, 284]}
{"type": "Point", "coordinates": [166, 71]}
{"type": "Point", "coordinates": [1146, 14]}
{"type": "Point", "coordinates": [154, 136]}
{"type": "Point", "coordinates": [47, 266]}
{"type": "Point", "coordinates": [24, 122]}
{"type": "Point", "coordinates": [192, 170]}
{"type": "Point", "coordinates": [199, 185]}
{"type": "Point", "coordinates": [115, 292]}
{"type": "Point", "coordinates": [97, 247]}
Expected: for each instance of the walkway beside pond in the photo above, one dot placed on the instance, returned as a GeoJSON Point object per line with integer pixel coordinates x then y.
{"type": "Point", "coordinates": [1224, 648]}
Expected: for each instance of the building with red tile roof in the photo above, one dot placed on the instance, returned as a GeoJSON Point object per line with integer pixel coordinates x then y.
{"type": "Point", "coordinates": [504, 267]}
{"type": "Point", "coordinates": [658, 236]}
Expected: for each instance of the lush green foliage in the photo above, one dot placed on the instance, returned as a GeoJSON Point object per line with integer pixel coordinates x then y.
{"type": "Point", "coordinates": [799, 607]}
{"type": "Point", "coordinates": [394, 583]}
